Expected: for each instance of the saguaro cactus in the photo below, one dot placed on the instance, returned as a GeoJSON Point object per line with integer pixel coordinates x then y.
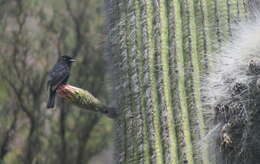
{"type": "Point", "coordinates": [160, 50]}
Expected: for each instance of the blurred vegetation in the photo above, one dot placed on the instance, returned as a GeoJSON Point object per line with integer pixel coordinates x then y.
{"type": "Point", "coordinates": [33, 34]}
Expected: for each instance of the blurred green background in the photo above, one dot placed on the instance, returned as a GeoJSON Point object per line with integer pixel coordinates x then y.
{"type": "Point", "coordinates": [33, 34]}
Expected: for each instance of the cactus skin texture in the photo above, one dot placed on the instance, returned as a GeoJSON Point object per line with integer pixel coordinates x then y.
{"type": "Point", "coordinates": [85, 100]}
{"type": "Point", "coordinates": [160, 51]}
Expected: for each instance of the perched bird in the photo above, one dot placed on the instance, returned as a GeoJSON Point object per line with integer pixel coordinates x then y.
{"type": "Point", "coordinates": [59, 75]}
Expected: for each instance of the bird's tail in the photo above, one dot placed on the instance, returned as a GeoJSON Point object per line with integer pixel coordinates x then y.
{"type": "Point", "coordinates": [51, 100]}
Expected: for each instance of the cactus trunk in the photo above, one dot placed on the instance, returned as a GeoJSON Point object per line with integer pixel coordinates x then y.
{"type": "Point", "coordinates": [160, 50]}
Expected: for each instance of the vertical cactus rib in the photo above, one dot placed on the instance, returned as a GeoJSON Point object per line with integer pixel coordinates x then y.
{"type": "Point", "coordinates": [228, 3]}
{"type": "Point", "coordinates": [222, 11]}
{"type": "Point", "coordinates": [181, 81]}
{"type": "Point", "coordinates": [134, 103]}
{"type": "Point", "coordinates": [166, 82]}
{"type": "Point", "coordinates": [233, 12]}
{"type": "Point", "coordinates": [114, 48]}
{"type": "Point", "coordinates": [206, 22]}
{"type": "Point", "coordinates": [238, 9]}
{"type": "Point", "coordinates": [151, 63]}
{"type": "Point", "coordinates": [196, 76]}
{"type": "Point", "coordinates": [213, 28]}
{"type": "Point", "coordinates": [245, 9]}
{"type": "Point", "coordinates": [145, 146]}
{"type": "Point", "coordinates": [217, 24]}
{"type": "Point", "coordinates": [209, 19]}
{"type": "Point", "coordinates": [124, 101]}
{"type": "Point", "coordinates": [148, 113]}
{"type": "Point", "coordinates": [205, 29]}
{"type": "Point", "coordinates": [241, 9]}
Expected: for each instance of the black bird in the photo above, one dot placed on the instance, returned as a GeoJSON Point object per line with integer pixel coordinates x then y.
{"type": "Point", "coordinates": [59, 75]}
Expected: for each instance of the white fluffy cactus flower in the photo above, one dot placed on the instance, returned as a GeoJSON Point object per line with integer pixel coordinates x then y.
{"type": "Point", "coordinates": [232, 93]}
{"type": "Point", "coordinates": [230, 66]}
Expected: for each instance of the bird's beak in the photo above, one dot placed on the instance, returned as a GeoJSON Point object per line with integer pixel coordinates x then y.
{"type": "Point", "coordinates": [72, 60]}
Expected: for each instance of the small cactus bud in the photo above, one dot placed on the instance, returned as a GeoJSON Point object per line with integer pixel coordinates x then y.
{"type": "Point", "coordinates": [85, 100]}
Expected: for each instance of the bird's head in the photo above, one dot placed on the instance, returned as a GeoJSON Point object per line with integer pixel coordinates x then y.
{"type": "Point", "coordinates": [67, 59]}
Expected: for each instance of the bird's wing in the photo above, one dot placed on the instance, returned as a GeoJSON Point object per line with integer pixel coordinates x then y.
{"type": "Point", "coordinates": [58, 75]}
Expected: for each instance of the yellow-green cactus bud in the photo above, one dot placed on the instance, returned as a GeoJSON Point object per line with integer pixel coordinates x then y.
{"type": "Point", "coordinates": [85, 100]}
